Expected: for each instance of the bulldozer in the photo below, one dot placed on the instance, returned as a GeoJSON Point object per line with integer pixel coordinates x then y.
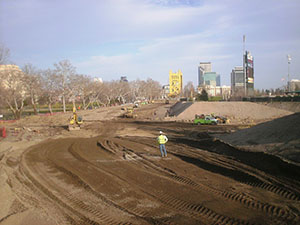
{"type": "Point", "coordinates": [129, 113]}
{"type": "Point", "coordinates": [75, 121]}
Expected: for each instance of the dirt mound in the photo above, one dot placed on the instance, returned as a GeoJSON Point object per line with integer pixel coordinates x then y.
{"type": "Point", "coordinates": [289, 106]}
{"type": "Point", "coordinates": [237, 112]}
{"type": "Point", "coordinates": [280, 137]}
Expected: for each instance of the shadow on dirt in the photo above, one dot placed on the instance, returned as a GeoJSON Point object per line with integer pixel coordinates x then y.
{"type": "Point", "coordinates": [234, 174]}
{"type": "Point", "coordinates": [259, 160]}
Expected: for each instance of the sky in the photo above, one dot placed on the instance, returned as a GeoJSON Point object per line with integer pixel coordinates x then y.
{"type": "Point", "coordinates": [144, 39]}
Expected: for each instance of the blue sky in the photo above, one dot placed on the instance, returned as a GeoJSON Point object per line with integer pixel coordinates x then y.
{"type": "Point", "coordinates": [146, 38]}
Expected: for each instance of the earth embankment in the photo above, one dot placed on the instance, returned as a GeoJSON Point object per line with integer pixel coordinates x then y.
{"type": "Point", "coordinates": [237, 112]}
{"type": "Point", "coordinates": [280, 137]}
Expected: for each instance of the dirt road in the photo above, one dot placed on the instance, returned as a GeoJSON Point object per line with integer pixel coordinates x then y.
{"type": "Point", "coordinates": [111, 172]}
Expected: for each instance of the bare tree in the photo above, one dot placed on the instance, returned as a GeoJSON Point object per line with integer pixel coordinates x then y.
{"type": "Point", "coordinates": [85, 89]}
{"type": "Point", "coordinates": [33, 86]}
{"type": "Point", "coordinates": [189, 90]}
{"type": "Point", "coordinates": [13, 91]}
{"type": "Point", "coordinates": [75, 87]}
{"type": "Point", "coordinates": [152, 89]}
{"type": "Point", "coordinates": [109, 92]}
{"type": "Point", "coordinates": [96, 95]}
{"type": "Point", "coordinates": [4, 54]}
{"type": "Point", "coordinates": [122, 91]}
{"type": "Point", "coordinates": [50, 87]}
{"type": "Point", "coordinates": [64, 71]}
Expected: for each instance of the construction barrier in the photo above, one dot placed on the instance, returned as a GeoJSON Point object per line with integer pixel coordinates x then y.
{"type": "Point", "coordinates": [3, 132]}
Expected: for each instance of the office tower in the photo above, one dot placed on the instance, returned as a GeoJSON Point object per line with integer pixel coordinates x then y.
{"type": "Point", "coordinates": [238, 81]}
{"type": "Point", "coordinates": [204, 67]}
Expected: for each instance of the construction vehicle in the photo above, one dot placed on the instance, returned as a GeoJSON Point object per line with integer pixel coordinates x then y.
{"type": "Point", "coordinates": [129, 113]}
{"type": "Point", "coordinates": [75, 121]}
{"type": "Point", "coordinates": [221, 119]}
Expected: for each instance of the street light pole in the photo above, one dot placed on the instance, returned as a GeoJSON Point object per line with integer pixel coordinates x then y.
{"type": "Point", "coordinates": [289, 62]}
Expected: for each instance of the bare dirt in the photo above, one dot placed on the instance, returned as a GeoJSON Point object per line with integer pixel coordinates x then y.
{"type": "Point", "coordinates": [280, 137]}
{"type": "Point", "coordinates": [236, 112]}
{"type": "Point", "coordinates": [290, 106]}
{"type": "Point", "coordinates": [111, 172]}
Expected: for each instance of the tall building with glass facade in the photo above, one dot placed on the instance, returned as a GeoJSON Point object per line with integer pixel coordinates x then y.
{"type": "Point", "coordinates": [206, 76]}
{"type": "Point", "coordinates": [203, 68]}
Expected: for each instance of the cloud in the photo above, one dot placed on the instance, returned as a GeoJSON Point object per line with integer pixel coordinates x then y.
{"type": "Point", "coordinates": [155, 59]}
{"type": "Point", "coordinates": [147, 38]}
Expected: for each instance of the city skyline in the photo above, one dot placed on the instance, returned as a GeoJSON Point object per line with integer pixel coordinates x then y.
{"type": "Point", "coordinates": [145, 39]}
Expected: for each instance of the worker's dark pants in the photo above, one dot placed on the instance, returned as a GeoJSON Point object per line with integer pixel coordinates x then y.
{"type": "Point", "coordinates": [163, 150]}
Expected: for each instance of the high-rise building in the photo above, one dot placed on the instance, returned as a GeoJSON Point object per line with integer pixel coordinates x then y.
{"type": "Point", "coordinates": [204, 67]}
{"type": "Point", "coordinates": [212, 79]}
{"type": "Point", "coordinates": [242, 77]}
{"type": "Point", "coordinates": [206, 76]}
{"type": "Point", "coordinates": [175, 82]}
{"type": "Point", "coordinates": [249, 73]}
{"type": "Point", "coordinates": [238, 81]}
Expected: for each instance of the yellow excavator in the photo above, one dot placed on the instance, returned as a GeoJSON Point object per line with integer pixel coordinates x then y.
{"type": "Point", "coordinates": [75, 121]}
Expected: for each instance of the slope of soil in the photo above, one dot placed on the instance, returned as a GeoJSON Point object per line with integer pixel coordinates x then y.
{"type": "Point", "coordinates": [237, 112]}
{"type": "Point", "coordinates": [280, 137]}
{"type": "Point", "coordinates": [289, 106]}
{"type": "Point", "coordinates": [179, 107]}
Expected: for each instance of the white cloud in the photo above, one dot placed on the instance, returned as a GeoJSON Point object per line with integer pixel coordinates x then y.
{"type": "Point", "coordinates": [167, 34]}
{"type": "Point", "coordinates": [155, 59]}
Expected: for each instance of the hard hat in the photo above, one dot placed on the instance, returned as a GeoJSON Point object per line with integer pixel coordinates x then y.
{"type": "Point", "coordinates": [160, 132]}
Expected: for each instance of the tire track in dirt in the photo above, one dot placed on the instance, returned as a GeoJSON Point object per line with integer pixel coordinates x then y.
{"type": "Point", "coordinates": [179, 205]}
{"type": "Point", "coordinates": [283, 192]}
{"type": "Point", "coordinates": [134, 212]}
{"type": "Point", "coordinates": [198, 210]}
{"type": "Point", "coordinates": [249, 202]}
{"type": "Point", "coordinates": [88, 214]}
{"type": "Point", "coordinates": [85, 213]}
{"type": "Point", "coordinates": [258, 160]}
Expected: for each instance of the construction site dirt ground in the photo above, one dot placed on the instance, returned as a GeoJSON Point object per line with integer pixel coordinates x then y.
{"type": "Point", "coordinates": [111, 172]}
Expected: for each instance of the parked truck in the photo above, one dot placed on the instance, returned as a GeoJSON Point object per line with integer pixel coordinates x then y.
{"type": "Point", "coordinates": [205, 120]}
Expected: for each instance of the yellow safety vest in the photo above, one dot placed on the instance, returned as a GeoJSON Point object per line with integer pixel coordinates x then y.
{"type": "Point", "coordinates": [162, 139]}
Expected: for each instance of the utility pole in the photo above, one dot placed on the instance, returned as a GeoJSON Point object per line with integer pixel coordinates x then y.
{"type": "Point", "coordinates": [289, 62]}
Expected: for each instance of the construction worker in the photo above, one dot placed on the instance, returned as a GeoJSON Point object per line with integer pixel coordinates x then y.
{"type": "Point", "coordinates": [162, 140]}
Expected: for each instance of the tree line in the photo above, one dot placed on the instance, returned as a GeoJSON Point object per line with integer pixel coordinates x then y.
{"type": "Point", "coordinates": [33, 87]}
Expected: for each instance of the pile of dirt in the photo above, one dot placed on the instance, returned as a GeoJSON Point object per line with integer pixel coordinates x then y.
{"type": "Point", "coordinates": [279, 137]}
{"type": "Point", "coordinates": [236, 112]}
{"type": "Point", "coordinates": [289, 106]}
